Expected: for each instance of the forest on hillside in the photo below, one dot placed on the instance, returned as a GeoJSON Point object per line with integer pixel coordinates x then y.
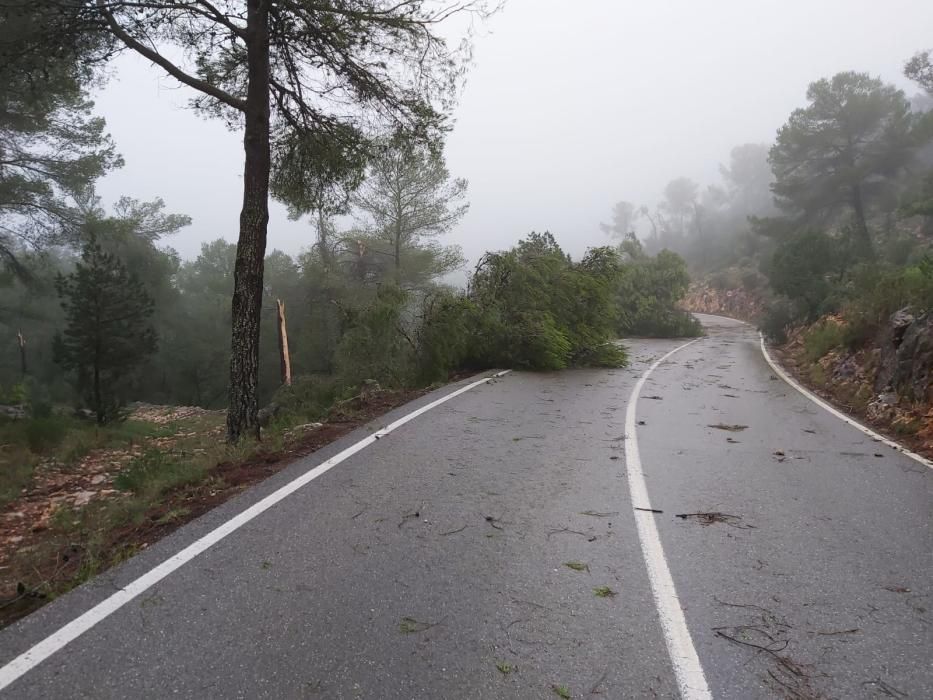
{"type": "Point", "coordinates": [140, 388]}
{"type": "Point", "coordinates": [97, 310]}
{"type": "Point", "coordinates": [835, 217]}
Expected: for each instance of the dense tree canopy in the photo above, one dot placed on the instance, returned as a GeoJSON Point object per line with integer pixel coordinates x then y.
{"type": "Point", "coordinates": [52, 148]}
{"type": "Point", "coordinates": [920, 69]}
{"type": "Point", "coordinates": [405, 203]}
{"type": "Point", "coordinates": [310, 83]}
{"type": "Point", "coordinates": [842, 151]}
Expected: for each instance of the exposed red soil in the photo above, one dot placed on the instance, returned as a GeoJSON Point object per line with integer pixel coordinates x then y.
{"type": "Point", "coordinates": [59, 564]}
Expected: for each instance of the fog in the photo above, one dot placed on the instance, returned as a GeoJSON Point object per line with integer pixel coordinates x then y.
{"type": "Point", "coordinates": [568, 108]}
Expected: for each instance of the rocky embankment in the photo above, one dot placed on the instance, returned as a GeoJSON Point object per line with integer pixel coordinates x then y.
{"type": "Point", "coordinates": [739, 303]}
{"type": "Point", "coordinates": [888, 382]}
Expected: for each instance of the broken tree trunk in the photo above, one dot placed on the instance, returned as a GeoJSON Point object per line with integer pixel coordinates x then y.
{"type": "Point", "coordinates": [22, 352]}
{"type": "Point", "coordinates": [284, 358]}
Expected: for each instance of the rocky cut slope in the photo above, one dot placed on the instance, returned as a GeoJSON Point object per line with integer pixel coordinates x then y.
{"type": "Point", "coordinates": [743, 304]}
{"type": "Point", "coordinates": [888, 381]}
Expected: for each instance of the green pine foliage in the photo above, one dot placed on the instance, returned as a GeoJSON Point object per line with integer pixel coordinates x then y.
{"type": "Point", "coordinates": [537, 309]}
{"type": "Point", "coordinates": [107, 333]}
{"type": "Point", "coordinates": [53, 147]}
{"type": "Point", "coordinates": [648, 291]}
{"type": "Point", "coordinates": [375, 345]}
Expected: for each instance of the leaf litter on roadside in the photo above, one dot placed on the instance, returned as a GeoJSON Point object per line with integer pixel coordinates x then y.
{"type": "Point", "coordinates": [577, 565]}
{"type": "Point", "coordinates": [409, 625]}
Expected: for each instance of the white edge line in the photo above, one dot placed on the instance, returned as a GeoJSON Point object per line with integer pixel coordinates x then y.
{"type": "Point", "coordinates": [39, 652]}
{"type": "Point", "coordinates": [687, 668]}
{"type": "Point", "coordinates": [823, 404]}
{"type": "Point", "coordinates": [839, 414]}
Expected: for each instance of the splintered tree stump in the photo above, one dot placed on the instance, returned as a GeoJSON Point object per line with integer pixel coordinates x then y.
{"type": "Point", "coordinates": [21, 341]}
{"type": "Point", "coordinates": [285, 360]}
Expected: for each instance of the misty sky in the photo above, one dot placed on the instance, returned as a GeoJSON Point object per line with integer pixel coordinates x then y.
{"type": "Point", "coordinates": [570, 107]}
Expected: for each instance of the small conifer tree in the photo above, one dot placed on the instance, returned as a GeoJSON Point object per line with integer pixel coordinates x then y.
{"type": "Point", "coordinates": [108, 332]}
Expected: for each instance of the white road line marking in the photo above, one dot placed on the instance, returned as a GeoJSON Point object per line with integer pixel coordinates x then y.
{"type": "Point", "coordinates": [38, 653]}
{"type": "Point", "coordinates": [690, 677]}
{"type": "Point", "coordinates": [823, 404]}
{"type": "Point", "coordinates": [839, 414]}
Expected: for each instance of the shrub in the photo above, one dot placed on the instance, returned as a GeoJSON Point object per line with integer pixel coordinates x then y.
{"type": "Point", "coordinates": [821, 338]}
{"type": "Point", "coordinates": [444, 338]}
{"type": "Point", "coordinates": [533, 308]}
{"type": "Point", "coordinates": [14, 395]}
{"type": "Point", "coordinates": [802, 268]}
{"type": "Point", "coordinates": [375, 345]}
{"type": "Point", "coordinates": [654, 322]}
{"type": "Point", "coordinates": [608, 355]}
{"type": "Point", "coordinates": [725, 279]}
{"type": "Point", "coordinates": [535, 341]}
{"type": "Point", "coordinates": [154, 472]}
{"type": "Point", "coordinates": [648, 290]}
{"type": "Point", "coordinates": [45, 434]}
{"type": "Point", "coordinates": [875, 292]}
{"type": "Point", "coordinates": [309, 398]}
{"type": "Point", "coordinates": [751, 280]}
{"type": "Point", "coordinates": [779, 317]}
{"type": "Point", "coordinates": [17, 463]}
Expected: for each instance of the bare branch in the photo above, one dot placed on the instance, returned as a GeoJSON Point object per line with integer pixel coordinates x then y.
{"type": "Point", "coordinates": [171, 68]}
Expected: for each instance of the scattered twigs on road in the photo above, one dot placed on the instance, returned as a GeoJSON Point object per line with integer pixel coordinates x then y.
{"type": "Point", "coordinates": [744, 605]}
{"type": "Point", "coordinates": [557, 531]}
{"type": "Point", "coordinates": [885, 688]}
{"type": "Point", "coordinates": [791, 690]}
{"type": "Point", "coordinates": [409, 516]}
{"type": "Point", "coordinates": [508, 633]}
{"type": "Point", "coordinates": [409, 625]}
{"type": "Point", "coordinates": [769, 638]}
{"type": "Point", "coordinates": [823, 633]}
{"type": "Point", "coordinates": [649, 510]}
{"type": "Point", "coordinates": [771, 647]}
{"type": "Point", "coordinates": [454, 532]}
{"type": "Point", "coordinates": [509, 638]}
{"type": "Point", "coordinates": [492, 521]}
{"type": "Point", "coordinates": [602, 679]}
{"type": "Point", "coordinates": [520, 601]}
{"type": "Point", "coordinates": [717, 517]}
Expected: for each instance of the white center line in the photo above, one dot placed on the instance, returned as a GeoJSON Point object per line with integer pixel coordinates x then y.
{"type": "Point", "coordinates": [38, 653]}
{"type": "Point", "coordinates": [689, 673]}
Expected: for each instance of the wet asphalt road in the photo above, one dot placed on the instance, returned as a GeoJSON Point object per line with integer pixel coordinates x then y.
{"type": "Point", "coordinates": [341, 591]}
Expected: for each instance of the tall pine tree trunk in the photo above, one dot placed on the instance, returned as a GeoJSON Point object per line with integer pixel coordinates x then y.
{"type": "Point", "coordinates": [398, 254]}
{"type": "Point", "coordinates": [242, 415]}
{"type": "Point", "coordinates": [861, 225]}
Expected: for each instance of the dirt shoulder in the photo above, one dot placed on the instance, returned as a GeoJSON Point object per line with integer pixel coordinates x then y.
{"type": "Point", "coordinates": [77, 517]}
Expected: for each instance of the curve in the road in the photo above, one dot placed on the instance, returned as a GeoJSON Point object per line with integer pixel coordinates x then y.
{"type": "Point", "coordinates": [839, 414]}
{"type": "Point", "coordinates": [686, 663]}
{"type": "Point", "coordinates": [38, 653]}
{"type": "Point", "coordinates": [823, 404]}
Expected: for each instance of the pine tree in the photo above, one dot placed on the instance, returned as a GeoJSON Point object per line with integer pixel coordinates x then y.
{"type": "Point", "coordinates": [310, 83]}
{"type": "Point", "coordinates": [108, 332]}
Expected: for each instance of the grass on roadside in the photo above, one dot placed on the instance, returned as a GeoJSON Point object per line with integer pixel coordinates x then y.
{"type": "Point", "coordinates": [27, 442]}
{"type": "Point", "coordinates": [177, 471]}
